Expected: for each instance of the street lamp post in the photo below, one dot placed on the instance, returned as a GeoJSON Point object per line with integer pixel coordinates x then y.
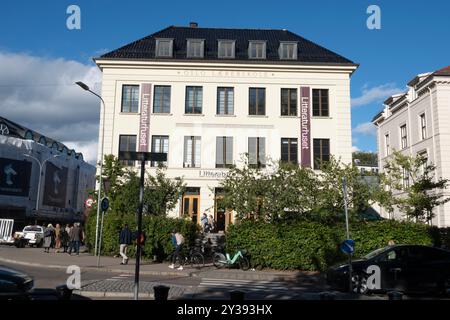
{"type": "Point", "coordinates": [41, 165]}
{"type": "Point", "coordinates": [85, 87]}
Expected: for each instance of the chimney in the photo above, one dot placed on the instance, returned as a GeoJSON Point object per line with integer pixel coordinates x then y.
{"type": "Point", "coordinates": [193, 24]}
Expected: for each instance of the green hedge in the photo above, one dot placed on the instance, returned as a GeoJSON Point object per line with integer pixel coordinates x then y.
{"type": "Point", "coordinates": [302, 245]}
{"type": "Point", "coordinates": [157, 230]}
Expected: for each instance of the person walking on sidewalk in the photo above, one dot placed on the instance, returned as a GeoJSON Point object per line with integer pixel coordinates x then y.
{"type": "Point", "coordinates": [75, 236]}
{"type": "Point", "coordinates": [49, 235]}
{"type": "Point", "coordinates": [177, 241]}
{"type": "Point", "coordinates": [125, 239]}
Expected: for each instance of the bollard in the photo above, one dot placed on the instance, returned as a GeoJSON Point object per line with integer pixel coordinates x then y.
{"type": "Point", "coordinates": [327, 296]}
{"type": "Point", "coordinates": [63, 292]}
{"type": "Point", "coordinates": [395, 295]}
{"type": "Point", "coordinates": [237, 295]}
{"type": "Point", "coordinates": [161, 293]}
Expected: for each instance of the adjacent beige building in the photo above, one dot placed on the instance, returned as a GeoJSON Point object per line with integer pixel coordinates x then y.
{"type": "Point", "coordinates": [418, 122]}
{"type": "Point", "coordinates": [208, 96]}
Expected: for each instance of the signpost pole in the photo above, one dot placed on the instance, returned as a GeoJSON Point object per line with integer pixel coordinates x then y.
{"type": "Point", "coordinates": [139, 231]}
{"type": "Point", "coordinates": [350, 271]}
{"type": "Point", "coordinates": [99, 251]}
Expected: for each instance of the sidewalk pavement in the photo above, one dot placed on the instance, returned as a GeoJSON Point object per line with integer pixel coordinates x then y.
{"type": "Point", "coordinates": [87, 262]}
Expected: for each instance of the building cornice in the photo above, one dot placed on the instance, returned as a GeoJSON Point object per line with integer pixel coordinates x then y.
{"type": "Point", "coordinates": [237, 65]}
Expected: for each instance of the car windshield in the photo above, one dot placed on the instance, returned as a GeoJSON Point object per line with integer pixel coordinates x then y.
{"type": "Point", "coordinates": [31, 228]}
{"type": "Point", "coordinates": [375, 253]}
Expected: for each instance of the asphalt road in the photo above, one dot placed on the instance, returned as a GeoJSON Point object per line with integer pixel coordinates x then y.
{"type": "Point", "coordinates": [50, 278]}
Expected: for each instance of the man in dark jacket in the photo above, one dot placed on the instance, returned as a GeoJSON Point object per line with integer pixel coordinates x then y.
{"type": "Point", "coordinates": [124, 240]}
{"type": "Point", "coordinates": [75, 237]}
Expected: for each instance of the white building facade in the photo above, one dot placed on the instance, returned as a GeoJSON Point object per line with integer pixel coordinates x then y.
{"type": "Point", "coordinates": [207, 97]}
{"type": "Point", "coordinates": [418, 123]}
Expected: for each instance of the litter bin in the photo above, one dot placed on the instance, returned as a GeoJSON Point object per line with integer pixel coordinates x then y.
{"type": "Point", "coordinates": [161, 292]}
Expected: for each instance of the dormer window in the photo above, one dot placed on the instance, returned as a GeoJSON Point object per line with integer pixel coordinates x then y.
{"type": "Point", "coordinates": [164, 48]}
{"type": "Point", "coordinates": [288, 50]}
{"type": "Point", "coordinates": [195, 48]}
{"type": "Point", "coordinates": [226, 49]}
{"type": "Point", "coordinates": [257, 50]}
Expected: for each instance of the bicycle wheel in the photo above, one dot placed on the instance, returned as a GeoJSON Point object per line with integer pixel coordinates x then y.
{"type": "Point", "coordinates": [197, 260]}
{"type": "Point", "coordinates": [244, 264]}
{"type": "Point", "coordinates": [219, 260]}
{"type": "Point", "coordinates": [178, 260]}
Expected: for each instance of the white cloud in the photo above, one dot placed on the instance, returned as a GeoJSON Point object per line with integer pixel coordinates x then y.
{"type": "Point", "coordinates": [366, 128]}
{"type": "Point", "coordinates": [355, 149]}
{"type": "Point", "coordinates": [88, 149]}
{"type": "Point", "coordinates": [376, 94]}
{"type": "Point", "coordinates": [40, 93]}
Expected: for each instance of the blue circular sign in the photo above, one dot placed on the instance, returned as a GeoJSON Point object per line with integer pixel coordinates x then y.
{"type": "Point", "coordinates": [105, 204]}
{"type": "Point", "coordinates": [348, 246]}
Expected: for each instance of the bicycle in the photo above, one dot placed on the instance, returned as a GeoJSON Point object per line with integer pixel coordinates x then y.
{"type": "Point", "coordinates": [221, 260]}
{"type": "Point", "coordinates": [194, 258]}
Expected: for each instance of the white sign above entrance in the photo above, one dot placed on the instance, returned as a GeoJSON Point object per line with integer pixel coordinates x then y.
{"type": "Point", "coordinates": [212, 174]}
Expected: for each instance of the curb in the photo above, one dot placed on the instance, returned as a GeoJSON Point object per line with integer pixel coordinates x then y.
{"type": "Point", "coordinates": [109, 294]}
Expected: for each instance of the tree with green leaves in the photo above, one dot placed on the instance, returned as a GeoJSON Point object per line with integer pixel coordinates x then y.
{"type": "Point", "coordinates": [409, 183]}
{"type": "Point", "coordinates": [161, 193]}
{"type": "Point", "coordinates": [282, 191]}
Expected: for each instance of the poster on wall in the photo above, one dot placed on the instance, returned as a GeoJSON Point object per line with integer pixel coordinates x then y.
{"type": "Point", "coordinates": [15, 177]}
{"type": "Point", "coordinates": [144, 120]}
{"type": "Point", "coordinates": [55, 186]}
{"type": "Point", "coordinates": [305, 126]}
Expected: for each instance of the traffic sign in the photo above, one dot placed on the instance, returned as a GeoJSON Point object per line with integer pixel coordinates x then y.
{"type": "Point", "coordinates": [105, 204]}
{"type": "Point", "coordinates": [89, 202]}
{"type": "Point", "coordinates": [142, 156]}
{"type": "Point", "coordinates": [348, 246]}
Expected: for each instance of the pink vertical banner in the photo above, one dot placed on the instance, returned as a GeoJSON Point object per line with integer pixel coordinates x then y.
{"type": "Point", "coordinates": [305, 126]}
{"type": "Point", "coordinates": [144, 121]}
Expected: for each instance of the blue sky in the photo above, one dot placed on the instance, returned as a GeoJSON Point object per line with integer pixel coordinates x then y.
{"type": "Point", "coordinates": [414, 38]}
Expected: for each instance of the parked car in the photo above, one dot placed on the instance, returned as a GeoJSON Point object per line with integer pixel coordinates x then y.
{"type": "Point", "coordinates": [14, 284]}
{"type": "Point", "coordinates": [405, 268]}
{"type": "Point", "coordinates": [31, 235]}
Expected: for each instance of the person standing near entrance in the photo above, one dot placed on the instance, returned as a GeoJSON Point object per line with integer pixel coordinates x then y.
{"type": "Point", "coordinates": [49, 236]}
{"type": "Point", "coordinates": [125, 239]}
{"type": "Point", "coordinates": [204, 222]}
{"type": "Point", "coordinates": [211, 223]}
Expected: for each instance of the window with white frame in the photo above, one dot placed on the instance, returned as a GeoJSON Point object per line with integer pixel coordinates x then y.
{"type": "Point", "coordinates": [164, 47]}
{"type": "Point", "coordinates": [257, 50]}
{"type": "Point", "coordinates": [225, 100]}
{"type": "Point", "coordinates": [191, 152]}
{"type": "Point", "coordinates": [195, 48]}
{"type": "Point", "coordinates": [257, 152]}
{"type": "Point", "coordinates": [226, 49]}
{"type": "Point", "coordinates": [387, 144]}
{"type": "Point", "coordinates": [224, 152]}
{"type": "Point", "coordinates": [405, 174]}
{"type": "Point", "coordinates": [423, 126]}
{"type": "Point", "coordinates": [424, 156]}
{"type": "Point", "coordinates": [288, 50]}
{"type": "Point", "coordinates": [404, 136]}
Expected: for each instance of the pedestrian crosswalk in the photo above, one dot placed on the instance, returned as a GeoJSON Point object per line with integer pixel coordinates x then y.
{"type": "Point", "coordinates": [124, 276]}
{"type": "Point", "coordinates": [246, 285]}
